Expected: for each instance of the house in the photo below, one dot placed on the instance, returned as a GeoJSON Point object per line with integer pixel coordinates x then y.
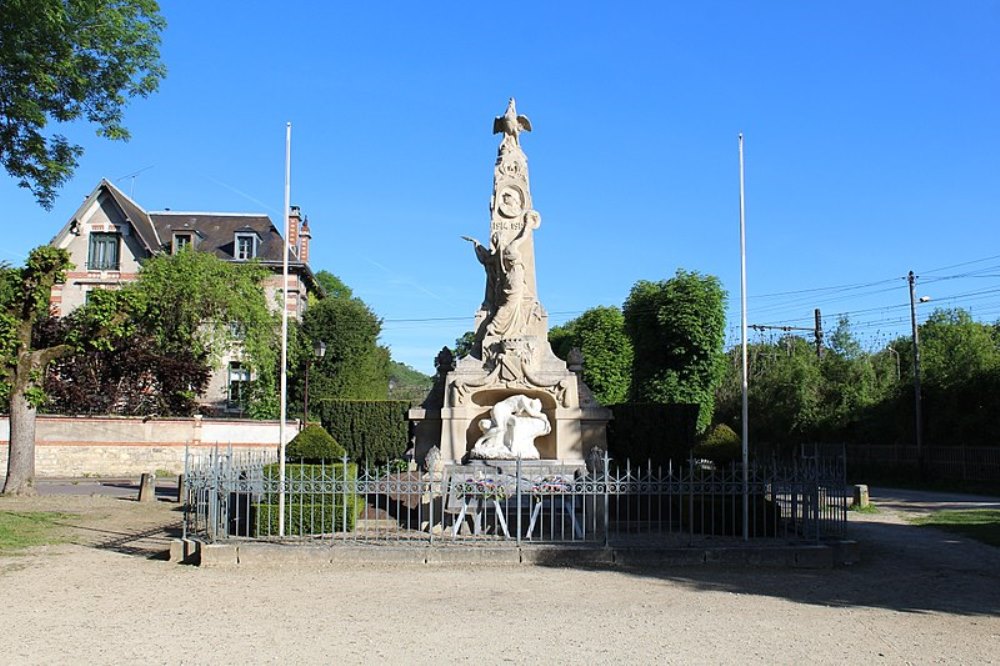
{"type": "Point", "coordinates": [110, 235]}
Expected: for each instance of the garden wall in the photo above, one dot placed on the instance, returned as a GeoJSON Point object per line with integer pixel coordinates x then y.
{"type": "Point", "coordinates": [123, 446]}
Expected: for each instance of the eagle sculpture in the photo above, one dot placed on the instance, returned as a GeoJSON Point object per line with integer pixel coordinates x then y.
{"type": "Point", "coordinates": [510, 123]}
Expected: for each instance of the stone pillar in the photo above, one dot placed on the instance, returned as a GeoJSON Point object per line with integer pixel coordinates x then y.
{"type": "Point", "coordinates": [147, 488]}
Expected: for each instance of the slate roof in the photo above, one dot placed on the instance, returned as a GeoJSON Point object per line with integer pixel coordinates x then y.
{"type": "Point", "coordinates": [217, 232]}
{"type": "Point", "coordinates": [137, 216]}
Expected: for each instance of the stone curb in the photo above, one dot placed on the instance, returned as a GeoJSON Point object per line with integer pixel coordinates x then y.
{"type": "Point", "coordinates": [269, 556]}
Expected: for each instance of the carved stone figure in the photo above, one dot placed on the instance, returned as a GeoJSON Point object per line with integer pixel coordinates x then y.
{"type": "Point", "coordinates": [511, 430]}
{"type": "Point", "coordinates": [511, 125]}
{"type": "Point", "coordinates": [511, 354]}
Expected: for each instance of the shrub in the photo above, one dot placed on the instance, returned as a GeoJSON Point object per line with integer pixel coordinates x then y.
{"type": "Point", "coordinates": [720, 444]}
{"type": "Point", "coordinates": [309, 510]}
{"type": "Point", "coordinates": [314, 444]}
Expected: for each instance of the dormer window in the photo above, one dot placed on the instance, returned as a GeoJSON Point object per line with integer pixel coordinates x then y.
{"type": "Point", "coordinates": [245, 246]}
{"type": "Point", "coordinates": [183, 240]}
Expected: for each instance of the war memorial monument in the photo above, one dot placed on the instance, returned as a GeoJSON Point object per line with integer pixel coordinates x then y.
{"type": "Point", "coordinates": [511, 397]}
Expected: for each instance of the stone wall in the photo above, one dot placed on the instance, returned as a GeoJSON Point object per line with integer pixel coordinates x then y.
{"type": "Point", "coordinates": [120, 446]}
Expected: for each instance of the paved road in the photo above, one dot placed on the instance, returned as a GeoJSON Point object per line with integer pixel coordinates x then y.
{"type": "Point", "coordinates": [925, 501]}
{"type": "Point", "coordinates": [121, 487]}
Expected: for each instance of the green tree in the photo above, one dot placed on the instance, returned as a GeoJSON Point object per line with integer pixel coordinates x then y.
{"type": "Point", "coordinates": [333, 285]}
{"type": "Point", "coordinates": [355, 366]}
{"type": "Point", "coordinates": [599, 334]}
{"type": "Point", "coordinates": [184, 310]}
{"type": "Point", "coordinates": [66, 60]}
{"type": "Point", "coordinates": [464, 345]}
{"type": "Point", "coordinates": [784, 392]}
{"type": "Point", "coordinates": [954, 349]}
{"type": "Point", "coordinates": [677, 328]}
{"type": "Point", "coordinates": [24, 301]}
{"type": "Point", "coordinates": [850, 384]}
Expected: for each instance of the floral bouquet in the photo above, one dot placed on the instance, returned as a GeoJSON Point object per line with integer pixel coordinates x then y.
{"type": "Point", "coordinates": [486, 488]}
{"type": "Point", "coordinates": [551, 485]}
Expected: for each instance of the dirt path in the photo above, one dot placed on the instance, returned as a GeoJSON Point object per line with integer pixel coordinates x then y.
{"type": "Point", "coordinates": [919, 596]}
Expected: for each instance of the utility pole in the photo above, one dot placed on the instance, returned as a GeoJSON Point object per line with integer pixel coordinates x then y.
{"type": "Point", "coordinates": [818, 332]}
{"type": "Point", "coordinates": [918, 420]}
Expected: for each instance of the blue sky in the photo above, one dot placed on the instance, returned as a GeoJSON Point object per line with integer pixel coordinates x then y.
{"type": "Point", "coordinates": [872, 148]}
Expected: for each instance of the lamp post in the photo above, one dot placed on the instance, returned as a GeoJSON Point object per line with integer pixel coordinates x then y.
{"type": "Point", "coordinates": [319, 351]}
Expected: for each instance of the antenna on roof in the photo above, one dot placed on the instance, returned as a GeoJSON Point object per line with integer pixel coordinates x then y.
{"type": "Point", "coordinates": [133, 175]}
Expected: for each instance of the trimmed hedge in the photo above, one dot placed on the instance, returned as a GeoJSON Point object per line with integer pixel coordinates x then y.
{"type": "Point", "coordinates": [314, 444]}
{"type": "Point", "coordinates": [652, 431]}
{"type": "Point", "coordinates": [306, 519]}
{"type": "Point", "coordinates": [370, 431]}
{"type": "Point", "coordinates": [308, 512]}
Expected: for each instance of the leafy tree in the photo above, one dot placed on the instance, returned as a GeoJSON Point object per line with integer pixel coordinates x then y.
{"type": "Point", "coordinates": [784, 392]}
{"type": "Point", "coordinates": [355, 366]}
{"type": "Point", "coordinates": [677, 328]}
{"type": "Point", "coordinates": [125, 375]}
{"type": "Point", "coordinates": [63, 60]}
{"type": "Point", "coordinates": [954, 349]}
{"type": "Point", "coordinates": [599, 334]}
{"type": "Point", "coordinates": [148, 347]}
{"type": "Point", "coordinates": [333, 285]}
{"type": "Point", "coordinates": [464, 344]}
{"type": "Point", "coordinates": [24, 300]}
{"type": "Point", "coordinates": [850, 383]}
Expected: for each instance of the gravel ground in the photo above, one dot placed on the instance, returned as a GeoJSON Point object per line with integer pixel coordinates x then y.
{"type": "Point", "coordinates": [919, 596]}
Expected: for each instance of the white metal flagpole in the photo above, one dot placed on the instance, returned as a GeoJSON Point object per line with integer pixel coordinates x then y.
{"type": "Point", "coordinates": [284, 334]}
{"type": "Point", "coordinates": [743, 345]}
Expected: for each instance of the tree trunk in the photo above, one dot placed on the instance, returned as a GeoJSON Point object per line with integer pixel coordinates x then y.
{"type": "Point", "coordinates": [21, 456]}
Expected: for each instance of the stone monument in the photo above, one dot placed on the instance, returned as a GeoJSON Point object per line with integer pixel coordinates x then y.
{"type": "Point", "coordinates": [511, 397]}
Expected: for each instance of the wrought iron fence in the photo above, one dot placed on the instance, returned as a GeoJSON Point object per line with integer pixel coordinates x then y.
{"type": "Point", "coordinates": [238, 495]}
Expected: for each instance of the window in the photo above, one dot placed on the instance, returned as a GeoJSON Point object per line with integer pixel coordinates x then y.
{"type": "Point", "coordinates": [239, 379]}
{"type": "Point", "coordinates": [246, 246]}
{"type": "Point", "coordinates": [182, 241]}
{"type": "Point", "coordinates": [237, 330]}
{"type": "Point", "coordinates": [103, 252]}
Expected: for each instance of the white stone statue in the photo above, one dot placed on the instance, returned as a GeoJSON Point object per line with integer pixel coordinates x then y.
{"type": "Point", "coordinates": [511, 430]}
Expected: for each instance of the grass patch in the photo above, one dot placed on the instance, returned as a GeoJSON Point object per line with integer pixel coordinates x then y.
{"type": "Point", "coordinates": [979, 524]}
{"type": "Point", "coordinates": [871, 508]}
{"type": "Point", "coordinates": [26, 529]}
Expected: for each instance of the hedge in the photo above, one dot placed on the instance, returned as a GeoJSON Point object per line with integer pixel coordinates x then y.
{"type": "Point", "coordinates": [314, 444]}
{"type": "Point", "coordinates": [308, 512]}
{"type": "Point", "coordinates": [642, 432]}
{"type": "Point", "coordinates": [306, 519]}
{"type": "Point", "coordinates": [370, 431]}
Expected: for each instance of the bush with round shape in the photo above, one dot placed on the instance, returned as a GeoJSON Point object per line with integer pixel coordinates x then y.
{"type": "Point", "coordinates": [720, 444]}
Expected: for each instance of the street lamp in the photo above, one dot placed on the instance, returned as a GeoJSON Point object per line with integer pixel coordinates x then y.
{"type": "Point", "coordinates": [319, 351]}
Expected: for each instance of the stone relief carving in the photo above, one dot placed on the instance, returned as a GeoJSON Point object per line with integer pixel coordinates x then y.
{"type": "Point", "coordinates": [511, 430]}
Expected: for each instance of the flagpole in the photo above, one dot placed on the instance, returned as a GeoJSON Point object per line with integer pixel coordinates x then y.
{"type": "Point", "coordinates": [284, 333]}
{"type": "Point", "coordinates": [743, 346]}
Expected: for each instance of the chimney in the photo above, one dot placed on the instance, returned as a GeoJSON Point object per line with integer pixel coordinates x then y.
{"type": "Point", "coordinates": [294, 218]}
{"type": "Point", "coordinates": [306, 237]}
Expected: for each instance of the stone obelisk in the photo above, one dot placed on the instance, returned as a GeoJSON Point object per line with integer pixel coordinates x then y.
{"type": "Point", "coordinates": [511, 356]}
